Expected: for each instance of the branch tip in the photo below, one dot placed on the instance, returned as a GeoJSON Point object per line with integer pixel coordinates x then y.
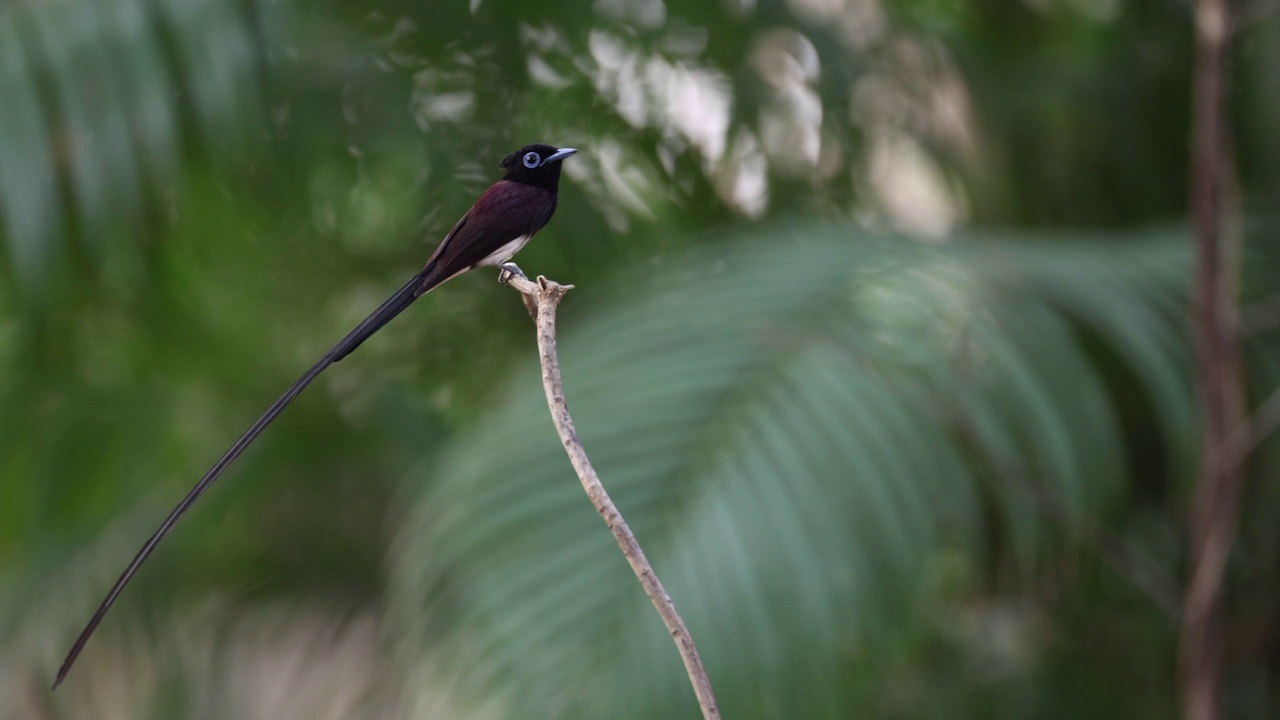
{"type": "Point", "coordinates": [541, 299]}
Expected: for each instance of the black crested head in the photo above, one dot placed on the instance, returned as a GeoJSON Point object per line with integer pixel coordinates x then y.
{"type": "Point", "coordinates": [537, 165]}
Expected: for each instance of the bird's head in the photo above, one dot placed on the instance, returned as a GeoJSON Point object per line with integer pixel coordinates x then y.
{"type": "Point", "coordinates": [537, 165]}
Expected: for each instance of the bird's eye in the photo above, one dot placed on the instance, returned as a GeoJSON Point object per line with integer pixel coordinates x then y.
{"type": "Point", "coordinates": [532, 160]}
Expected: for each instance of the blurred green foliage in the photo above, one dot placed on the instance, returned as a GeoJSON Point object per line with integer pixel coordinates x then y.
{"type": "Point", "coordinates": [880, 343]}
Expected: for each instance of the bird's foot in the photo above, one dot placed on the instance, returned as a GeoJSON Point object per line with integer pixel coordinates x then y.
{"type": "Point", "coordinates": [509, 270]}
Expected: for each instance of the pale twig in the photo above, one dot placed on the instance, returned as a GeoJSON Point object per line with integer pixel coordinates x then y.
{"type": "Point", "coordinates": [1215, 509]}
{"type": "Point", "coordinates": [544, 297]}
{"type": "Point", "coordinates": [1254, 431]}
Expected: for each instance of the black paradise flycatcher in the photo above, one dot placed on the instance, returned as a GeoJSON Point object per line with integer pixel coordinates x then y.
{"type": "Point", "coordinates": [502, 220]}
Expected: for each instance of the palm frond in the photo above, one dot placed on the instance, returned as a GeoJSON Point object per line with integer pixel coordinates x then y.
{"type": "Point", "coordinates": [804, 435]}
{"type": "Point", "coordinates": [100, 99]}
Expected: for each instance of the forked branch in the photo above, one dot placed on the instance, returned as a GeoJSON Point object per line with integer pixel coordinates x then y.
{"type": "Point", "coordinates": [1215, 511]}
{"type": "Point", "coordinates": [542, 298]}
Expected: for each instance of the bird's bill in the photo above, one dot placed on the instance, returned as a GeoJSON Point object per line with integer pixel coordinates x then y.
{"type": "Point", "coordinates": [560, 154]}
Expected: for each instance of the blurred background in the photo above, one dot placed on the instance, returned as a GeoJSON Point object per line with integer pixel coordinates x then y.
{"type": "Point", "coordinates": [880, 342]}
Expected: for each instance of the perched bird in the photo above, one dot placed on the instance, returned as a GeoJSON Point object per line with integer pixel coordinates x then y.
{"type": "Point", "coordinates": [503, 219]}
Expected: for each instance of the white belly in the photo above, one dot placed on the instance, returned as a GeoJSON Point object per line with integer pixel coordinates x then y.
{"type": "Point", "coordinates": [505, 253]}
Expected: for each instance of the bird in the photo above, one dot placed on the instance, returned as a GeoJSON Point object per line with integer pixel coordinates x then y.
{"type": "Point", "coordinates": [503, 219]}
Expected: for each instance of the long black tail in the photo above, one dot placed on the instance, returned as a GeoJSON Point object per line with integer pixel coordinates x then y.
{"type": "Point", "coordinates": [394, 305]}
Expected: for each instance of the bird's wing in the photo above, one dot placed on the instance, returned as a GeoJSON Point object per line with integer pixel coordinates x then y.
{"type": "Point", "coordinates": [504, 212]}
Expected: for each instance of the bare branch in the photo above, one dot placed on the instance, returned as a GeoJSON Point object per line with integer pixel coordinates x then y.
{"type": "Point", "coordinates": [1254, 431]}
{"type": "Point", "coordinates": [544, 297]}
{"type": "Point", "coordinates": [1215, 507]}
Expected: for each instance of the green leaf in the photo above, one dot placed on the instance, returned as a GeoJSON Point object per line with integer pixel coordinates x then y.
{"type": "Point", "coordinates": [800, 438]}
{"type": "Point", "coordinates": [99, 97]}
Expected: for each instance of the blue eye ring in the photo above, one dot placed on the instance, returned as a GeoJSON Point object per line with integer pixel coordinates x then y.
{"type": "Point", "coordinates": [531, 160]}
